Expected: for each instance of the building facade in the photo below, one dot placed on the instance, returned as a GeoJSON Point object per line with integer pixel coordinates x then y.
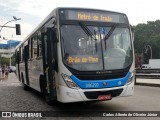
{"type": "Point", "coordinates": [8, 49]}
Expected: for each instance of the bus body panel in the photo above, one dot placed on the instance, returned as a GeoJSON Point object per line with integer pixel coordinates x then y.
{"type": "Point", "coordinates": [22, 72]}
{"type": "Point", "coordinates": [35, 69]}
{"type": "Point", "coordinates": [66, 94]}
{"type": "Point", "coordinates": [109, 83]}
{"type": "Point", "coordinates": [129, 90]}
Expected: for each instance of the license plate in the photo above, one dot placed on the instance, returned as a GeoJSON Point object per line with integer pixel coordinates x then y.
{"type": "Point", "coordinates": [105, 97]}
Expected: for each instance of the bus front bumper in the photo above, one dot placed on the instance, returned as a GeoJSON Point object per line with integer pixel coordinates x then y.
{"type": "Point", "coordinates": [66, 94]}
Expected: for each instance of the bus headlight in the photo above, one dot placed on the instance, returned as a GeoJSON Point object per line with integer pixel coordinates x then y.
{"type": "Point", "coordinates": [131, 78]}
{"type": "Point", "coordinates": [69, 82]}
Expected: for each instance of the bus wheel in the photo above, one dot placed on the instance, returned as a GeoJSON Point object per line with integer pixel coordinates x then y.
{"type": "Point", "coordinates": [51, 102]}
{"type": "Point", "coordinates": [27, 88]}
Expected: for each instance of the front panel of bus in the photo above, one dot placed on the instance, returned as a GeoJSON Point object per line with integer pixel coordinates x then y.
{"type": "Point", "coordinates": [95, 55]}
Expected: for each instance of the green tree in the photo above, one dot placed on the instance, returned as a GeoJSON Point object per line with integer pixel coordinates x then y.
{"type": "Point", "coordinates": [148, 34]}
{"type": "Point", "coordinates": [6, 61]}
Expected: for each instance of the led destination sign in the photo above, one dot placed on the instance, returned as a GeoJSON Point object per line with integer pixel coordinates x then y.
{"type": "Point", "coordinates": [79, 59]}
{"type": "Point", "coordinates": [95, 16]}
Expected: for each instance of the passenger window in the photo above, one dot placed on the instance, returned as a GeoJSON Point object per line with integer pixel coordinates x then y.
{"type": "Point", "coordinates": [39, 44]}
{"type": "Point", "coordinates": [34, 47]}
{"type": "Point", "coordinates": [30, 49]}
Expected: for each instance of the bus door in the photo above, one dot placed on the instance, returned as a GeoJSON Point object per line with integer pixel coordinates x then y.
{"type": "Point", "coordinates": [17, 64]}
{"type": "Point", "coordinates": [26, 55]}
{"type": "Point", "coordinates": [49, 56]}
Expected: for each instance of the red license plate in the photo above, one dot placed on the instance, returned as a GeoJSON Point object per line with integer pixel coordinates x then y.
{"type": "Point", "coordinates": [105, 97]}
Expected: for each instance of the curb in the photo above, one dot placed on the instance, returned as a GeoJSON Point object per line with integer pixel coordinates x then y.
{"type": "Point", "coordinates": [148, 84]}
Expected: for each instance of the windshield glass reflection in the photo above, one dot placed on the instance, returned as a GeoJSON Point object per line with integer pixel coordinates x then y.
{"type": "Point", "coordinates": [86, 49]}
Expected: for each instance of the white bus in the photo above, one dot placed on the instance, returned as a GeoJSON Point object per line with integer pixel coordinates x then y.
{"type": "Point", "coordinates": [78, 55]}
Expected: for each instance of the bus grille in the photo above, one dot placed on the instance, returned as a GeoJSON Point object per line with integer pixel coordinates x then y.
{"type": "Point", "coordinates": [101, 77]}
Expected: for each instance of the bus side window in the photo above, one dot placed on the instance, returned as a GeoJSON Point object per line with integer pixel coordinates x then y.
{"type": "Point", "coordinates": [34, 47]}
{"type": "Point", "coordinates": [39, 50]}
{"type": "Point", "coordinates": [30, 49]}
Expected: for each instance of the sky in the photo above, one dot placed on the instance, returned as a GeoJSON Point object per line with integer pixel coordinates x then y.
{"type": "Point", "coordinates": [32, 12]}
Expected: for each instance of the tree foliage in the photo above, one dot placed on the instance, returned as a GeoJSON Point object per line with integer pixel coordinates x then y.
{"type": "Point", "coordinates": [6, 61]}
{"type": "Point", "coordinates": [147, 34]}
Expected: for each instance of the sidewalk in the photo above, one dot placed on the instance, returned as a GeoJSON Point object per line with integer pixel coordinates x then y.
{"type": "Point", "coordinates": [148, 82]}
{"type": "Point", "coordinates": [3, 78]}
{"type": "Point", "coordinates": [12, 78]}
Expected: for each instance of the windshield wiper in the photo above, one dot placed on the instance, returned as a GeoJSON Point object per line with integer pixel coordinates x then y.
{"type": "Point", "coordinates": [109, 33]}
{"type": "Point", "coordinates": [87, 31]}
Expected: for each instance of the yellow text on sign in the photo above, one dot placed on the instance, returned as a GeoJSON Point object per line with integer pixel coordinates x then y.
{"type": "Point", "coordinates": [75, 60]}
{"type": "Point", "coordinates": [86, 16]}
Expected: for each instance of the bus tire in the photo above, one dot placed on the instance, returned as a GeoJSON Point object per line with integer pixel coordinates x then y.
{"type": "Point", "coordinates": [26, 88]}
{"type": "Point", "coordinates": [50, 101]}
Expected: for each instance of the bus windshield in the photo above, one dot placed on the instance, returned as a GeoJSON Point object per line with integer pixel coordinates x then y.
{"type": "Point", "coordinates": [92, 48]}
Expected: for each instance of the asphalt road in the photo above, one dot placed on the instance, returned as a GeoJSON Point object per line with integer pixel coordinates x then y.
{"type": "Point", "coordinates": [14, 98]}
